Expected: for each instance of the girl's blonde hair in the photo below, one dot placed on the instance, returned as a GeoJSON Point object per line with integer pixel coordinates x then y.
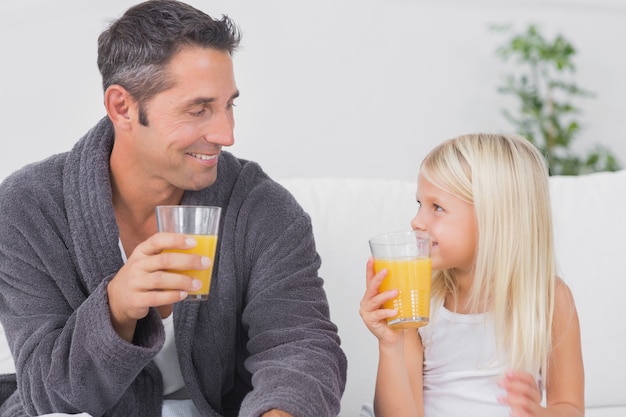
{"type": "Point", "coordinates": [506, 179]}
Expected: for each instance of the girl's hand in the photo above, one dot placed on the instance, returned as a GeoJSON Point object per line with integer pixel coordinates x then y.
{"type": "Point", "coordinates": [522, 394]}
{"type": "Point", "coordinates": [371, 311]}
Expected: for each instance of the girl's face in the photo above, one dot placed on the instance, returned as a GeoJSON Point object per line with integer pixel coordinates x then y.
{"type": "Point", "coordinates": [451, 224]}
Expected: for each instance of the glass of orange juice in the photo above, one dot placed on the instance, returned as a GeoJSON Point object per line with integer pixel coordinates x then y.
{"type": "Point", "coordinates": [200, 223]}
{"type": "Point", "coordinates": [406, 257]}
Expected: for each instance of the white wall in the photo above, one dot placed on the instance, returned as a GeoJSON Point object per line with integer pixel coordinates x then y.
{"type": "Point", "coordinates": [358, 88]}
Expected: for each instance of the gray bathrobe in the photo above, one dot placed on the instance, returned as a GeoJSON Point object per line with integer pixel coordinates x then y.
{"type": "Point", "coordinates": [263, 339]}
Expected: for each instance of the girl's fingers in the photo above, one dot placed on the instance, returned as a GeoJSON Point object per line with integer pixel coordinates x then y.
{"type": "Point", "coordinates": [369, 268]}
{"type": "Point", "coordinates": [376, 321]}
{"type": "Point", "coordinates": [375, 301]}
{"type": "Point", "coordinates": [373, 281]}
{"type": "Point", "coordinates": [371, 308]}
{"type": "Point", "coordinates": [522, 383]}
{"type": "Point", "coordinates": [522, 393]}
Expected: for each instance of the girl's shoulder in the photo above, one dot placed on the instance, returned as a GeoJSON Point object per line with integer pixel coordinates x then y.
{"type": "Point", "coordinates": [563, 298]}
{"type": "Point", "coordinates": [565, 320]}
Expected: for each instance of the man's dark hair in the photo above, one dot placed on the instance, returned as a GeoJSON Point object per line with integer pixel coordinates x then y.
{"type": "Point", "coordinates": [136, 49]}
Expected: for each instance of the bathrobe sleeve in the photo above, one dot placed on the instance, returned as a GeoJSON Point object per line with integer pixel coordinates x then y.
{"type": "Point", "coordinates": [295, 359]}
{"type": "Point", "coordinates": [67, 355]}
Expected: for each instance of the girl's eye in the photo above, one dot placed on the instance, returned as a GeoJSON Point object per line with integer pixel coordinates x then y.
{"type": "Point", "coordinates": [437, 207]}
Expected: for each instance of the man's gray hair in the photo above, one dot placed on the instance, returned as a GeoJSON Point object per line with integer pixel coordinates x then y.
{"type": "Point", "coordinates": [136, 49]}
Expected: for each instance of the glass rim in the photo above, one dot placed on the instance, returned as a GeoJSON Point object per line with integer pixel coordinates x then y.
{"type": "Point", "coordinates": [186, 206]}
{"type": "Point", "coordinates": [381, 238]}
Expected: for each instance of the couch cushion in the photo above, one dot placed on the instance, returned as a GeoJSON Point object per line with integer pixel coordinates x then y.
{"type": "Point", "coordinates": [590, 233]}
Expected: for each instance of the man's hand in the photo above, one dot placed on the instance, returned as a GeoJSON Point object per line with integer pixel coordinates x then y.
{"type": "Point", "coordinates": [144, 281]}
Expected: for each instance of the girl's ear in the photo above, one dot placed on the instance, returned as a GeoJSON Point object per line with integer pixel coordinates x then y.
{"type": "Point", "coordinates": [120, 106]}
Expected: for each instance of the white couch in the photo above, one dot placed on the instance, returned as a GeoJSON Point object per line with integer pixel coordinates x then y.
{"type": "Point", "coordinates": [590, 226]}
{"type": "Point", "coordinates": [591, 239]}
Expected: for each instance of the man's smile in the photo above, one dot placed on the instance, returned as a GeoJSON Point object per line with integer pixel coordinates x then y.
{"type": "Point", "coordinates": [202, 156]}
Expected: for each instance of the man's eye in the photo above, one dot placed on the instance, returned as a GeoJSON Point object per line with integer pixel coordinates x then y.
{"type": "Point", "coordinates": [198, 113]}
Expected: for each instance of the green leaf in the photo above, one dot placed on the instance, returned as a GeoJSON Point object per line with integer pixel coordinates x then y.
{"type": "Point", "coordinates": [546, 114]}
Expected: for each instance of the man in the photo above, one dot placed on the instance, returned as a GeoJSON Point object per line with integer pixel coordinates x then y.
{"type": "Point", "coordinates": [85, 292]}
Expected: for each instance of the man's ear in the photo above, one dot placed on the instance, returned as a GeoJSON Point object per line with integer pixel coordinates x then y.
{"type": "Point", "coordinates": [120, 106]}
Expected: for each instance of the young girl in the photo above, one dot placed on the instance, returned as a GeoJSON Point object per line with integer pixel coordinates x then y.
{"type": "Point", "coordinates": [503, 326]}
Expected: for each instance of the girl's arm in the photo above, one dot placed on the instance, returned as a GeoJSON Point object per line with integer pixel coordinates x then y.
{"type": "Point", "coordinates": [565, 387]}
{"type": "Point", "coordinates": [565, 378]}
{"type": "Point", "coordinates": [399, 379]}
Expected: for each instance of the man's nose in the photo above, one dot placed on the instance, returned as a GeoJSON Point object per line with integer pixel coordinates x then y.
{"type": "Point", "coordinates": [221, 129]}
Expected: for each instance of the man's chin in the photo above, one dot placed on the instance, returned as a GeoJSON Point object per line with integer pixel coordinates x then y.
{"type": "Point", "coordinates": [200, 185]}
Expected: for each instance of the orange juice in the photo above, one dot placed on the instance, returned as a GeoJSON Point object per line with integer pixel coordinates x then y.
{"type": "Point", "coordinates": [205, 247]}
{"type": "Point", "coordinates": [412, 278]}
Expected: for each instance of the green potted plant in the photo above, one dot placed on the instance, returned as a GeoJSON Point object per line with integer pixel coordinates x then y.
{"type": "Point", "coordinates": [544, 88]}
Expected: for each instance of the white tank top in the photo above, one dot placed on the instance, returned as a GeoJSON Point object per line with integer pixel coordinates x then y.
{"type": "Point", "coordinates": [461, 367]}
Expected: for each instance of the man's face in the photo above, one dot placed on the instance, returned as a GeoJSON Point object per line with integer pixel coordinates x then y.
{"type": "Point", "coordinates": [190, 122]}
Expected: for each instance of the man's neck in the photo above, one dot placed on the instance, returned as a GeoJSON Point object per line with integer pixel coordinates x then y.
{"type": "Point", "coordinates": [134, 200]}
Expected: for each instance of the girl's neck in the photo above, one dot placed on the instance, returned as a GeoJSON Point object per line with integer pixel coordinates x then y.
{"type": "Point", "coordinates": [459, 302]}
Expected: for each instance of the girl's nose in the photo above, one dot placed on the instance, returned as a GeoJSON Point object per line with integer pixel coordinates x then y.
{"type": "Point", "coordinates": [417, 222]}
